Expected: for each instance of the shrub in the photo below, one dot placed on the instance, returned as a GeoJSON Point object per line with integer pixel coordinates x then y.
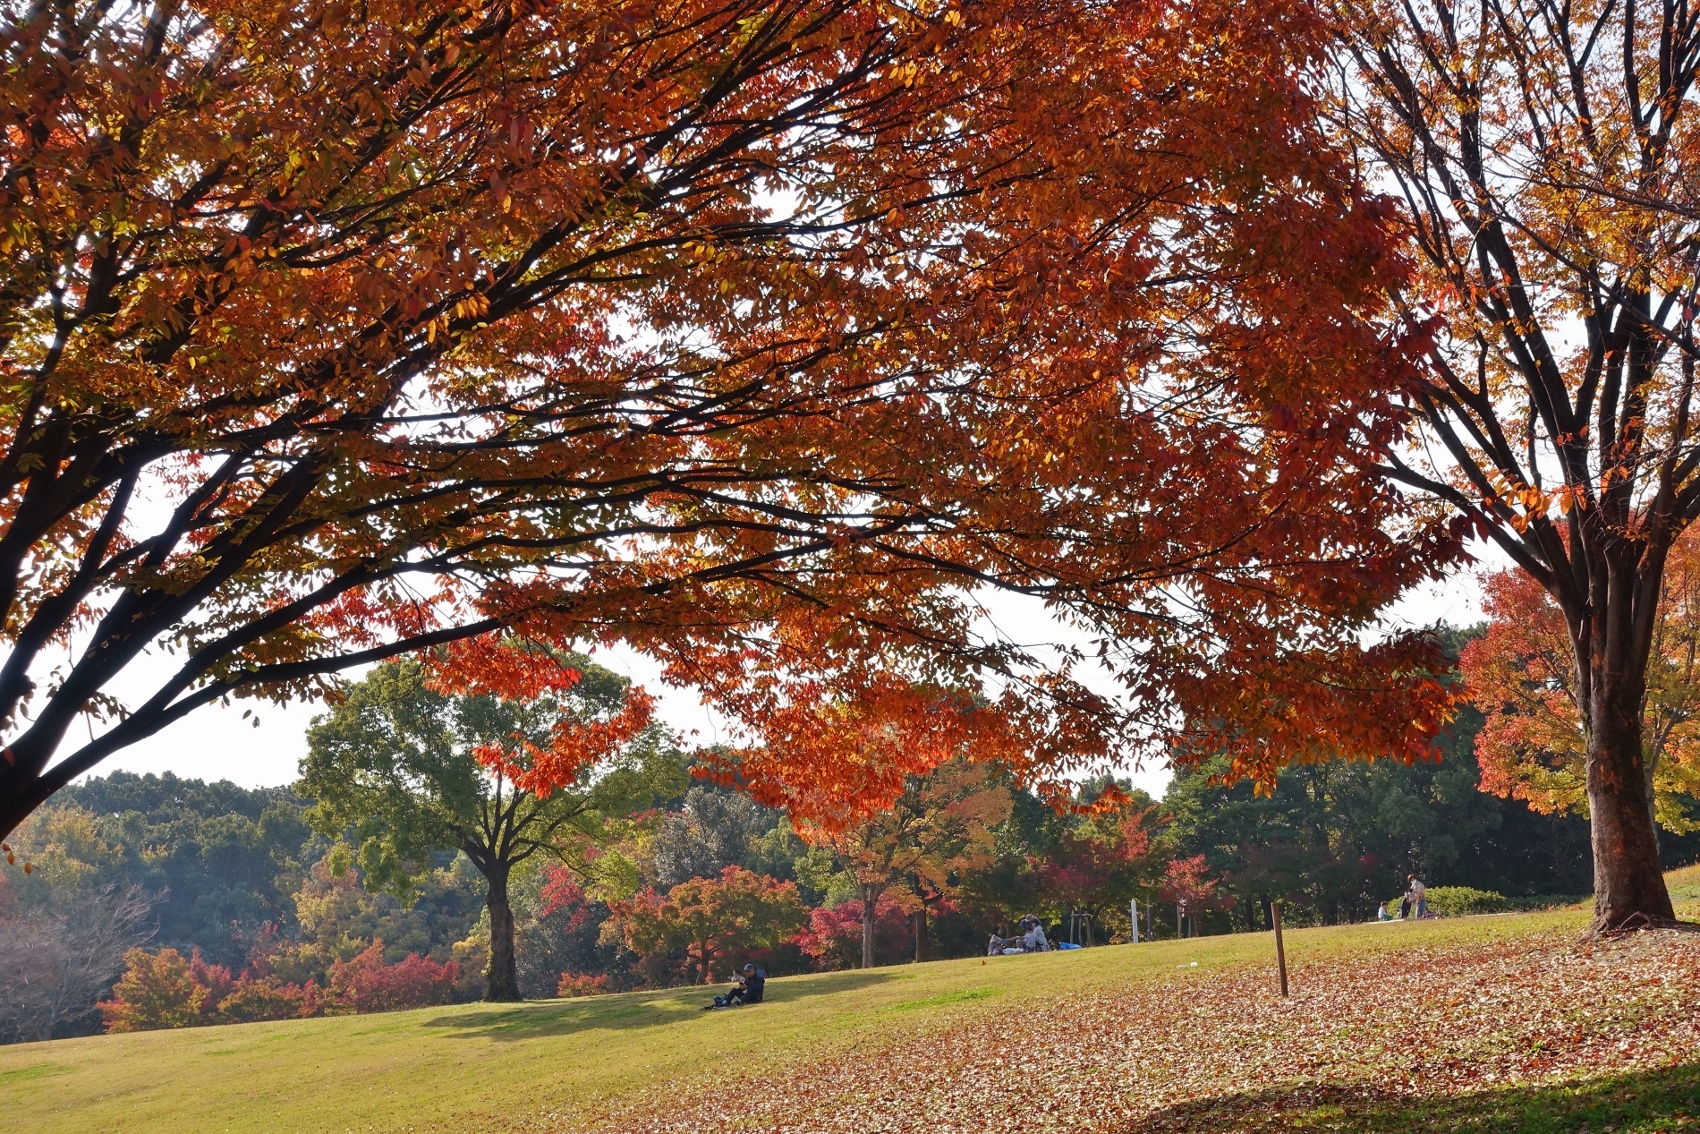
{"type": "Point", "coordinates": [254, 998]}
{"type": "Point", "coordinates": [215, 982]}
{"type": "Point", "coordinates": [366, 984]}
{"type": "Point", "coordinates": [1458, 901]}
{"type": "Point", "coordinates": [1524, 903]}
{"type": "Point", "coordinates": [583, 984]}
{"type": "Point", "coordinates": [162, 990]}
{"type": "Point", "coordinates": [157, 990]}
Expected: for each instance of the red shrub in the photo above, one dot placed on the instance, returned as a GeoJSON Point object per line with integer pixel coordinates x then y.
{"type": "Point", "coordinates": [215, 982]}
{"type": "Point", "coordinates": [366, 984]}
{"type": "Point", "coordinates": [268, 998]}
{"type": "Point", "coordinates": [162, 990]}
{"type": "Point", "coordinates": [583, 984]}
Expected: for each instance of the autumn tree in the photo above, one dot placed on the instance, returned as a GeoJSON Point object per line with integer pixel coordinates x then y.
{"type": "Point", "coordinates": [1520, 675]}
{"type": "Point", "coordinates": [1105, 862]}
{"type": "Point", "coordinates": [500, 751]}
{"type": "Point", "coordinates": [157, 990]}
{"type": "Point", "coordinates": [1187, 883]}
{"type": "Point", "coordinates": [65, 956]}
{"type": "Point", "coordinates": [939, 826]}
{"type": "Point", "coordinates": [698, 926]}
{"type": "Point", "coordinates": [834, 937]}
{"type": "Point", "coordinates": [1545, 155]}
{"type": "Point", "coordinates": [333, 332]}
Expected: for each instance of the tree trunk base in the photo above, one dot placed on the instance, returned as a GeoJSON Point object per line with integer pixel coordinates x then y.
{"type": "Point", "coordinates": [1602, 930]}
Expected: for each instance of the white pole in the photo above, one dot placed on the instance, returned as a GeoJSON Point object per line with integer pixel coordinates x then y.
{"type": "Point", "coordinates": [1133, 904]}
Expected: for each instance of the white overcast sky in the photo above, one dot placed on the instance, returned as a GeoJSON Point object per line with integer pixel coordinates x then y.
{"type": "Point", "coordinates": [217, 743]}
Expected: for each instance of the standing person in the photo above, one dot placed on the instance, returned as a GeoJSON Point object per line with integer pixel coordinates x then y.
{"type": "Point", "coordinates": [1419, 896]}
{"type": "Point", "coordinates": [1405, 903]}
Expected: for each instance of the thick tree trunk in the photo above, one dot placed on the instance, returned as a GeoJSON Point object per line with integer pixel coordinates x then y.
{"type": "Point", "coordinates": [923, 951]}
{"type": "Point", "coordinates": [1629, 888]}
{"type": "Point", "coordinates": [870, 896]}
{"type": "Point", "coordinates": [502, 978]}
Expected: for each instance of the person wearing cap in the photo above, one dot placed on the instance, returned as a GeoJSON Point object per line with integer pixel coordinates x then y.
{"type": "Point", "coordinates": [748, 989]}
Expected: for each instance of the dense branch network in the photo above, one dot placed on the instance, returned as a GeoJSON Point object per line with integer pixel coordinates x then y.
{"type": "Point", "coordinates": [337, 331]}
{"type": "Point", "coordinates": [1545, 154]}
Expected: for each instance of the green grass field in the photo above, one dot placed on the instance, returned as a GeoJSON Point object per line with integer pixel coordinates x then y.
{"type": "Point", "coordinates": [562, 1064]}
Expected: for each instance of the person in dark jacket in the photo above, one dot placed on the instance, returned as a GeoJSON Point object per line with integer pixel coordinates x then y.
{"type": "Point", "coordinates": [746, 990]}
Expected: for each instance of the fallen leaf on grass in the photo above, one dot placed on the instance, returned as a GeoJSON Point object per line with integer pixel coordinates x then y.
{"type": "Point", "coordinates": [1388, 1041]}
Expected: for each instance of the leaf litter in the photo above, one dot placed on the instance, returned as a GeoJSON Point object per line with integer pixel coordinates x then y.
{"type": "Point", "coordinates": [1219, 1051]}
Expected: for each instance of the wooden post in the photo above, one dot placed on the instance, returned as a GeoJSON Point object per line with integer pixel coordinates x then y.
{"type": "Point", "coordinates": [1133, 907]}
{"type": "Point", "coordinates": [1280, 949]}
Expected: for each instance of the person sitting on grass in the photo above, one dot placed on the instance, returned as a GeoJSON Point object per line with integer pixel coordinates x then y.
{"type": "Point", "coordinates": [747, 988]}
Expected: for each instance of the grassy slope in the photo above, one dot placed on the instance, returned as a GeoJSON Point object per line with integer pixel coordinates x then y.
{"type": "Point", "coordinates": [472, 1066]}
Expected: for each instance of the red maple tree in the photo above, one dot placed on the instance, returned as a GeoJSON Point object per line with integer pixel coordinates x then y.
{"type": "Point", "coordinates": [703, 927]}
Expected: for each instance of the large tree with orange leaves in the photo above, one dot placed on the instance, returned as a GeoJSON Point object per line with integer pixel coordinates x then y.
{"type": "Point", "coordinates": [755, 333]}
{"type": "Point", "coordinates": [1546, 154]}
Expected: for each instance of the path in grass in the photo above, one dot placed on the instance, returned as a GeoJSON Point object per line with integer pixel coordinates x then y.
{"type": "Point", "coordinates": [1521, 1033]}
{"type": "Point", "coordinates": [1179, 1034]}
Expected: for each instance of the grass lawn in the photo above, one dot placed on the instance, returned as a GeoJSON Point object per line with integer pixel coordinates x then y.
{"type": "Point", "coordinates": [1123, 1037]}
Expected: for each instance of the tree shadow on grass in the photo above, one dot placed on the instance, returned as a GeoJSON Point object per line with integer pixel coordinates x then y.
{"type": "Point", "coordinates": [1656, 1101]}
{"type": "Point", "coordinates": [631, 1009]}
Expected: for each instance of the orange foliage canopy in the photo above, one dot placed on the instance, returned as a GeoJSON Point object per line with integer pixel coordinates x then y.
{"type": "Point", "coordinates": [523, 672]}
{"type": "Point", "coordinates": [759, 335]}
{"type": "Point", "coordinates": [834, 763]}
